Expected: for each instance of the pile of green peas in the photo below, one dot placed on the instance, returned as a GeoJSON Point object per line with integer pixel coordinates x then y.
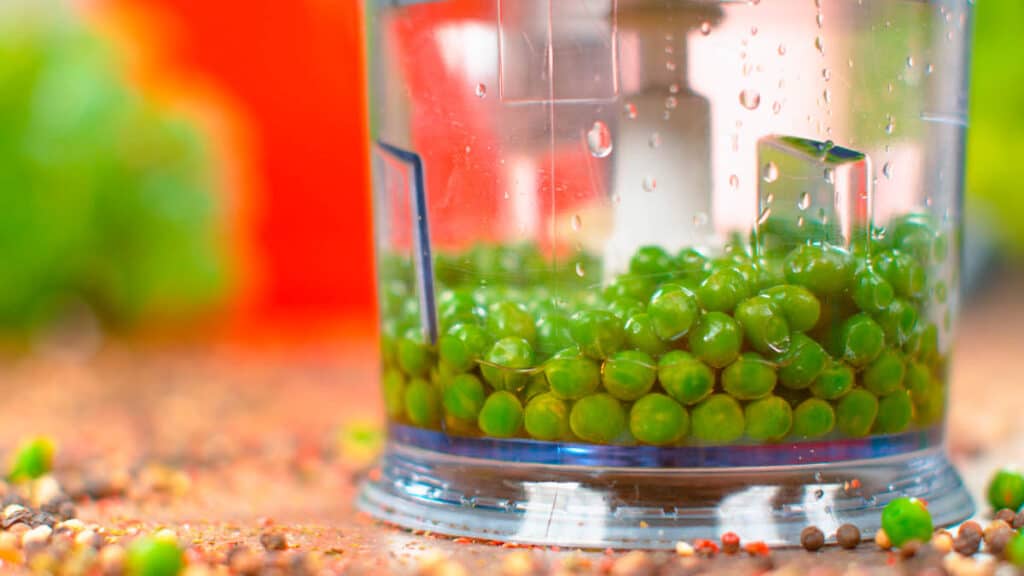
{"type": "Point", "coordinates": [799, 342]}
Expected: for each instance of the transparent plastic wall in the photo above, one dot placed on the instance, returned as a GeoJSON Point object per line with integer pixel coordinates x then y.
{"type": "Point", "coordinates": [668, 223]}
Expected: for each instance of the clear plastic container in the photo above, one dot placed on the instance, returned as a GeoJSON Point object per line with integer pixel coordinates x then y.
{"type": "Point", "coordinates": [661, 269]}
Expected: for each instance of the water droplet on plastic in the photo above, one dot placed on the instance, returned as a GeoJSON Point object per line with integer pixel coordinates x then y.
{"type": "Point", "coordinates": [669, 49]}
{"type": "Point", "coordinates": [769, 198]}
{"type": "Point", "coordinates": [750, 99]}
{"type": "Point", "coordinates": [577, 222]}
{"type": "Point", "coordinates": [929, 69]}
{"type": "Point", "coordinates": [671, 102]}
{"type": "Point", "coordinates": [826, 74]}
{"type": "Point", "coordinates": [800, 222]}
{"type": "Point", "coordinates": [753, 30]}
{"type": "Point", "coordinates": [734, 182]}
{"type": "Point", "coordinates": [805, 201]}
{"type": "Point", "coordinates": [887, 170]}
{"type": "Point", "coordinates": [830, 176]}
{"type": "Point", "coordinates": [928, 201]}
{"type": "Point", "coordinates": [630, 109]}
{"type": "Point", "coordinates": [705, 27]}
{"type": "Point", "coordinates": [822, 216]}
{"type": "Point", "coordinates": [770, 172]}
{"type": "Point", "coordinates": [819, 494]}
{"type": "Point", "coordinates": [579, 270]}
{"type": "Point", "coordinates": [673, 88]}
{"type": "Point", "coordinates": [777, 107]}
{"type": "Point", "coordinates": [889, 87]}
{"type": "Point", "coordinates": [654, 141]}
{"type": "Point", "coordinates": [650, 184]}
{"type": "Point", "coordinates": [599, 140]}
{"type": "Point", "coordinates": [481, 90]}
{"type": "Point", "coordinates": [700, 219]}
{"type": "Point", "coordinates": [910, 61]}
{"type": "Point", "coordinates": [819, 19]}
{"type": "Point", "coordinates": [819, 44]}
{"type": "Point", "coordinates": [890, 125]}
{"type": "Point", "coordinates": [827, 95]}
{"type": "Point", "coordinates": [670, 66]}
{"type": "Point", "coordinates": [763, 217]}
{"type": "Point", "coordinates": [782, 49]}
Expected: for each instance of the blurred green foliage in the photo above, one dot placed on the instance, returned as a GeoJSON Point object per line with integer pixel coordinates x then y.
{"type": "Point", "coordinates": [104, 196]}
{"type": "Point", "coordinates": [996, 134]}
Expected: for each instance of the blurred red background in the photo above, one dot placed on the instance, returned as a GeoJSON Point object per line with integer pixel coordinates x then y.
{"type": "Point", "coordinates": [283, 92]}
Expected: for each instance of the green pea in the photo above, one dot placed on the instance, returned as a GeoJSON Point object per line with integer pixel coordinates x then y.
{"type": "Point", "coordinates": [716, 339]}
{"type": "Point", "coordinates": [507, 362]}
{"type": "Point", "coordinates": [598, 418]}
{"type": "Point", "coordinates": [856, 413]}
{"type": "Point", "coordinates": [771, 272]}
{"type": "Point", "coordinates": [630, 286]}
{"type": "Point", "coordinates": [33, 458]}
{"type": "Point", "coordinates": [768, 419]}
{"type": "Point", "coordinates": [834, 381]}
{"type": "Point", "coordinates": [154, 557]}
{"type": "Point", "coordinates": [906, 519]}
{"type": "Point", "coordinates": [651, 261]}
{"type": "Point", "coordinates": [898, 321]}
{"type": "Point", "coordinates": [628, 374]}
{"type": "Point", "coordinates": [692, 264]}
{"type": "Point", "coordinates": [749, 377]}
{"type": "Point", "coordinates": [414, 355]}
{"type": "Point", "coordinates": [462, 346]}
{"type": "Point", "coordinates": [673, 310]}
{"type": "Point", "coordinates": [906, 275]}
{"type": "Point", "coordinates": [871, 292]}
{"type": "Point", "coordinates": [393, 384]}
{"type": "Point", "coordinates": [657, 419]}
{"type": "Point", "coordinates": [927, 393]}
{"type": "Point", "coordinates": [501, 415]}
{"type": "Point", "coordinates": [684, 377]}
{"type": "Point", "coordinates": [422, 405]}
{"type": "Point", "coordinates": [885, 375]}
{"type": "Point", "coordinates": [625, 307]}
{"type": "Point", "coordinates": [813, 418]}
{"type": "Point", "coordinates": [802, 363]}
{"type": "Point", "coordinates": [723, 289]}
{"type": "Point", "coordinates": [463, 397]}
{"type": "Point", "coordinates": [718, 419]}
{"type": "Point", "coordinates": [894, 413]}
{"type": "Point", "coordinates": [800, 306]}
{"type": "Point", "coordinates": [913, 234]}
{"type": "Point", "coordinates": [640, 335]}
{"type": "Point", "coordinates": [571, 374]}
{"type": "Point", "coordinates": [1006, 490]}
{"type": "Point", "coordinates": [823, 270]}
{"type": "Point", "coordinates": [547, 418]}
{"type": "Point", "coordinates": [862, 340]}
{"type": "Point", "coordinates": [764, 324]}
{"type": "Point", "coordinates": [923, 343]}
{"type": "Point", "coordinates": [505, 319]}
{"type": "Point", "coordinates": [459, 308]}
{"type": "Point", "coordinates": [598, 333]}
{"type": "Point", "coordinates": [553, 333]}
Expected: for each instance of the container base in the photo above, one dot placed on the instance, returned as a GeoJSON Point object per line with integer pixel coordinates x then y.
{"type": "Point", "coordinates": [600, 507]}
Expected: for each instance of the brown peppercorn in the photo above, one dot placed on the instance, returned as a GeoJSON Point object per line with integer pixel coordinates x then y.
{"type": "Point", "coordinates": [970, 527]}
{"type": "Point", "coordinates": [1006, 515]}
{"type": "Point", "coordinates": [967, 544]}
{"type": "Point", "coordinates": [1018, 521]}
{"type": "Point", "coordinates": [996, 543]}
{"type": "Point", "coordinates": [993, 527]}
{"type": "Point", "coordinates": [812, 538]}
{"type": "Point", "coordinates": [942, 542]}
{"type": "Point", "coordinates": [848, 536]}
{"type": "Point", "coordinates": [910, 548]}
{"type": "Point", "coordinates": [273, 541]}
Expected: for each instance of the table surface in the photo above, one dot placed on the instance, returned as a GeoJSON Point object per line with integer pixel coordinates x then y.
{"type": "Point", "coordinates": [224, 442]}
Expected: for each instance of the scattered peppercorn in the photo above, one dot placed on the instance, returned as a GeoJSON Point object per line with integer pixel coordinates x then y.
{"type": "Point", "coordinates": [273, 541]}
{"type": "Point", "coordinates": [997, 542]}
{"type": "Point", "coordinates": [848, 536]}
{"type": "Point", "coordinates": [910, 548]}
{"type": "Point", "coordinates": [1006, 515]}
{"type": "Point", "coordinates": [970, 528]}
{"type": "Point", "coordinates": [812, 538]}
{"type": "Point", "coordinates": [966, 544]}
